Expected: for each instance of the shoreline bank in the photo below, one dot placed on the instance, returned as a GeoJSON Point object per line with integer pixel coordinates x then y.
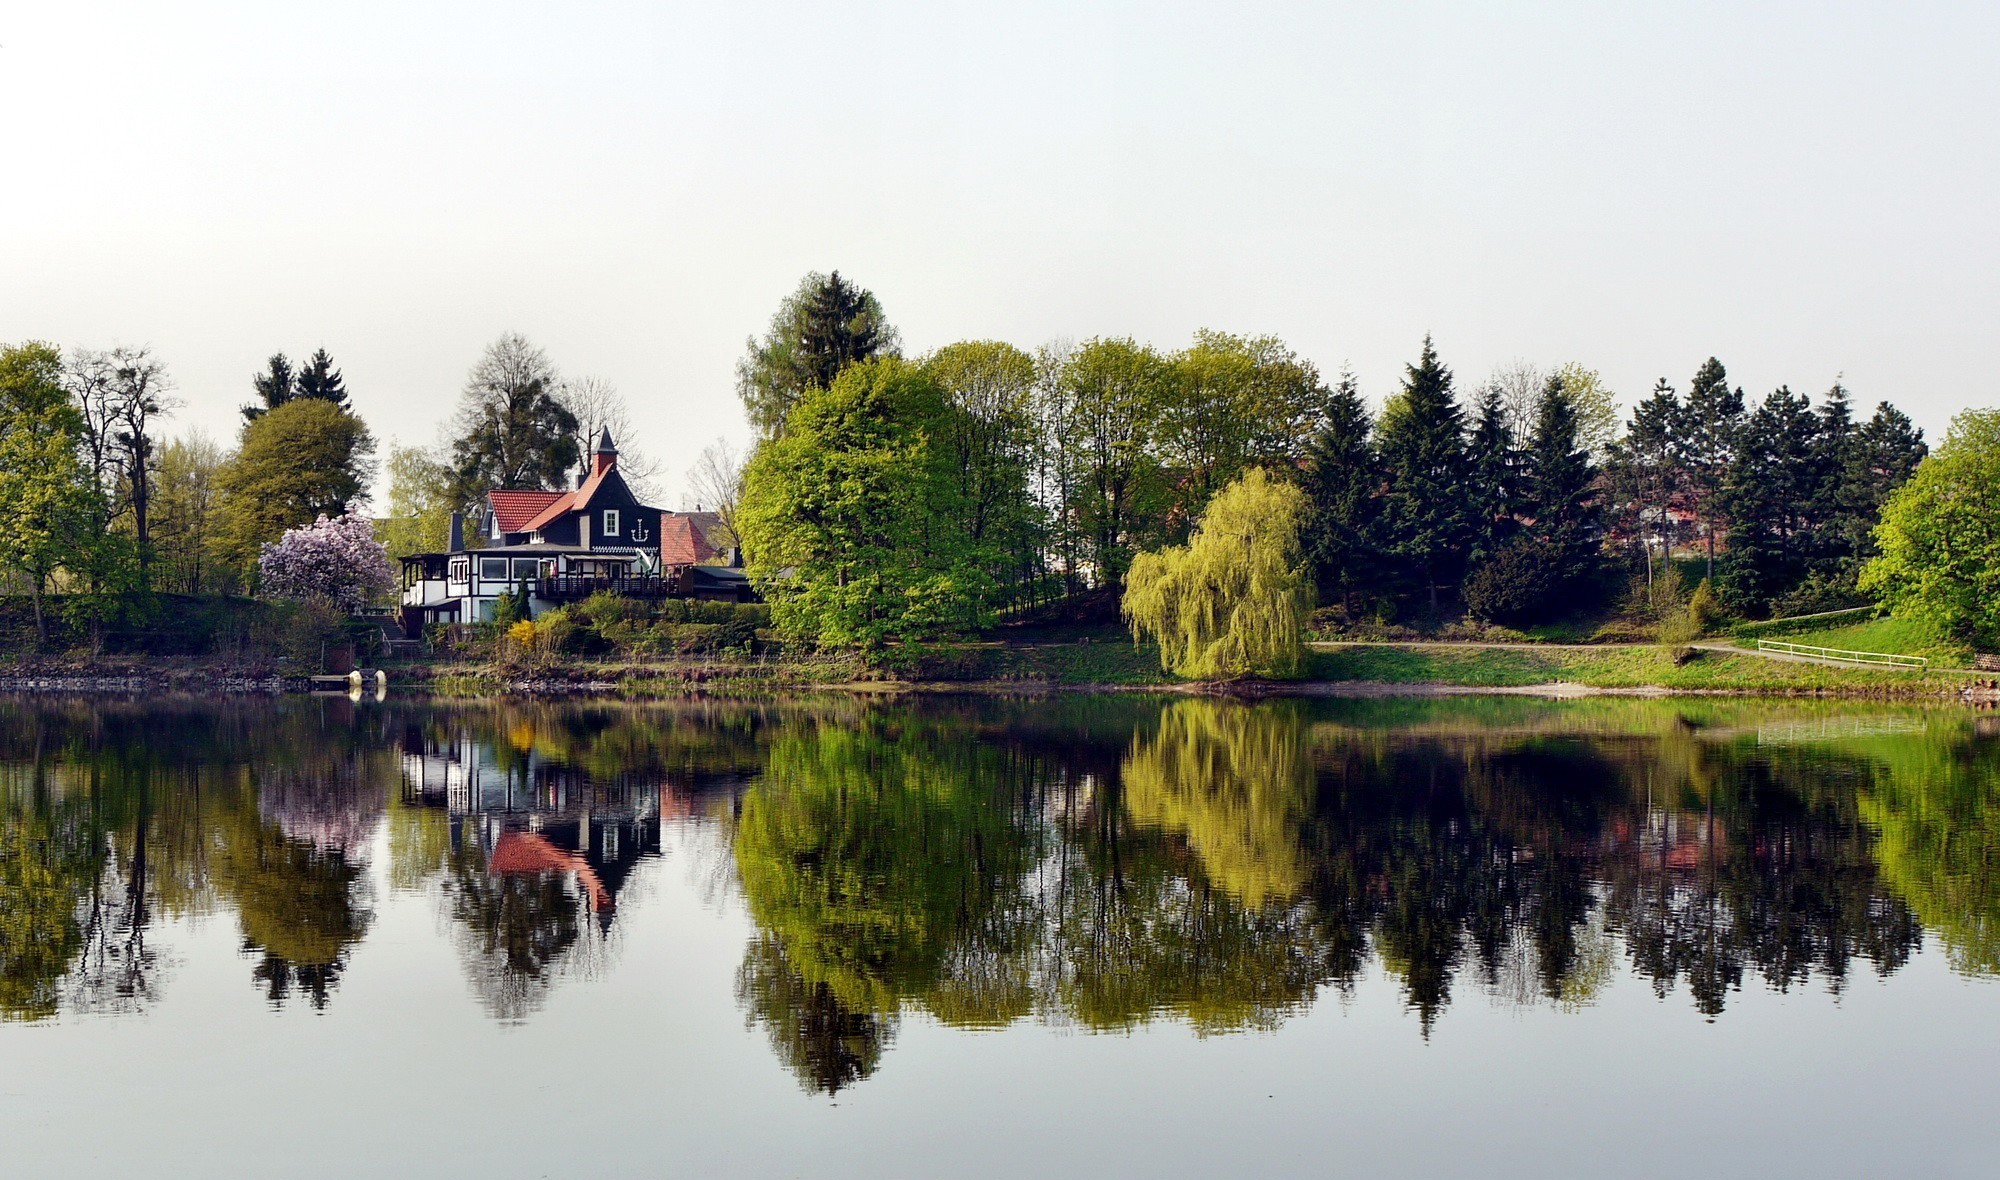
{"type": "Point", "coordinates": [1353, 671]}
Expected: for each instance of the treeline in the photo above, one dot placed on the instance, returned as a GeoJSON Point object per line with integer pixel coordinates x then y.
{"type": "Point", "coordinates": [893, 497]}
{"type": "Point", "coordinates": [102, 509]}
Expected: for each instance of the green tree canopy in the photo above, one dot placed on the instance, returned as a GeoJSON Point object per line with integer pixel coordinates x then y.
{"type": "Point", "coordinates": [48, 501]}
{"type": "Point", "coordinates": [1940, 536]}
{"type": "Point", "coordinates": [854, 519]}
{"type": "Point", "coordinates": [1422, 443]}
{"type": "Point", "coordinates": [1233, 601]}
{"type": "Point", "coordinates": [420, 502]}
{"type": "Point", "coordinates": [306, 458]}
{"type": "Point", "coordinates": [512, 430]}
{"type": "Point", "coordinates": [819, 329]}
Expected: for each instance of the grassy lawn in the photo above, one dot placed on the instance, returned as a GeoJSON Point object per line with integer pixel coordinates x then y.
{"type": "Point", "coordinates": [1634, 666]}
{"type": "Point", "coordinates": [1891, 636]}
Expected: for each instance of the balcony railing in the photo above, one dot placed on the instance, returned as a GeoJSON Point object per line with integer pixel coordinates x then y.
{"type": "Point", "coordinates": [571, 587]}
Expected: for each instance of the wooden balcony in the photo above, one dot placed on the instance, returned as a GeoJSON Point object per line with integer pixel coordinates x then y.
{"type": "Point", "coordinates": [576, 587]}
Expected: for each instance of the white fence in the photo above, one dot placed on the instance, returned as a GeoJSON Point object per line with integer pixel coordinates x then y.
{"type": "Point", "coordinates": [1845, 657]}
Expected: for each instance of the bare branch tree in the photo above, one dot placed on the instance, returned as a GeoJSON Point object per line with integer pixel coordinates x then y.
{"type": "Point", "coordinates": [1520, 384]}
{"type": "Point", "coordinates": [121, 391]}
{"type": "Point", "coordinates": [599, 406]}
{"type": "Point", "coordinates": [715, 482]}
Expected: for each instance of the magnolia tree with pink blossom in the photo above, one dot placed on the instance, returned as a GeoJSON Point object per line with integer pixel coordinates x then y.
{"type": "Point", "coordinates": [339, 560]}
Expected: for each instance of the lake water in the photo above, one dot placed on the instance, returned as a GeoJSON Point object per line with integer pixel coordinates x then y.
{"type": "Point", "coordinates": [1103, 936]}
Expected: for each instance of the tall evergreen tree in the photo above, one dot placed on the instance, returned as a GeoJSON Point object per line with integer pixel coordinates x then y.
{"type": "Point", "coordinates": [321, 380]}
{"type": "Point", "coordinates": [1566, 521]}
{"type": "Point", "coordinates": [1425, 517]}
{"type": "Point", "coordinates": [1768, 494]}
{"type": "Point", "coordinates": [1493, 470]}
{"type": "Point", "coordinates": [1714, 419]}
{"type": "Point", "coordinates": [822, 327]}
{"type": "Point", "coordinates": [1883, 457]}
{"type": "Point", "coordinates": [1342, 480]}
{"type": "Point", "coordinates": [1646, 474]}
{"type": "Point", "coordinates": [274, 387]}
{"type": "Point", "coordinates": [1834, 537]}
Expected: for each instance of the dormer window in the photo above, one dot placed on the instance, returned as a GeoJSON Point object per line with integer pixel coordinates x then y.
{"type": "Point", "coordinates": [611, 528]}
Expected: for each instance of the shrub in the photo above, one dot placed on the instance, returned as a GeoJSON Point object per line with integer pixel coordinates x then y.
{"type": "Point", "coordinates": [1518, 586]}
{"type": "Point", "coordinates": [1703, 608]}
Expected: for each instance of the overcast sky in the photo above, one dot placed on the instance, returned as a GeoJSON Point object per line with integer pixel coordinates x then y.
{"type": "Point", "coordinates": [1803, 190]}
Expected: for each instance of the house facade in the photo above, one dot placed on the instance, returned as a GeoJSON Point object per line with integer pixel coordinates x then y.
{"type": "Point", "coordinates": [566, 545]}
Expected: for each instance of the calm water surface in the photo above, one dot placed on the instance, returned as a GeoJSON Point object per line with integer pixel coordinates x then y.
{"type": "Point", "coordinates": [1081, 936]}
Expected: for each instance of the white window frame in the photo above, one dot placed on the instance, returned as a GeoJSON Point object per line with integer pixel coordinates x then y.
{"type": "Point", "coordinates": [486, 562]}
{"type": "Point", "coordinates": [611, 523]}
{"type": "Point", "coordinates": [460, 570]}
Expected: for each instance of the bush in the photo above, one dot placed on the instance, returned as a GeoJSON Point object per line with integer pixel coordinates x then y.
{"type": "Point", "coordinates": [1703, 608]}
{"type": "Point", "coordinates": [1820, 592]}
{"type": "Point", "coordinates": [1517, 587]}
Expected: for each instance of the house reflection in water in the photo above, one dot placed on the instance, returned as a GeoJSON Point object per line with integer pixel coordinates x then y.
{"type": "Point", "coordinates": [519, 814]}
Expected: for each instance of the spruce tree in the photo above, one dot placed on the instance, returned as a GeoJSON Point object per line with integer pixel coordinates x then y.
{"type": "Point", "coordinates": [1885, 455]}
{"type": "Point", "coordinates": [1713, 420]}
{"type": "Point", "coordinates": [1492, 489]}
{"type": "Point", "coordinates": [1341, 482]}
{"type": "Point", "coordinates": [321, 380]}
{"type": "Point", "coordinates": [1768, 494]}
{"type": "Point", "coordinates": [274, 386]}
{"type": "Point", "coordinates": [1559, 496]}
{"type": "Point", "coordinates": [1649, 471]}
{"type": "Point", "coordinates": [1835, 537]}
{"type": "Point", "coordinates": [1424, 510]}
{"type": "Point", "coordinates": [819, 329]}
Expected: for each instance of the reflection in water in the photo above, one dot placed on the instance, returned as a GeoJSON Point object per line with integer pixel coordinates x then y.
{"type": "Point", "coordinates": [1102, 863]}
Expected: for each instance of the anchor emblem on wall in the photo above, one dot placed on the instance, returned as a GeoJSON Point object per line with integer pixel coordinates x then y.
{"type": "Point", "coordinates": [639, 532]}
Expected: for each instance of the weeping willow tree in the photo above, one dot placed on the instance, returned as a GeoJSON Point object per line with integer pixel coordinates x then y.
{"type": "Point", "coordinates": [1233, 601]}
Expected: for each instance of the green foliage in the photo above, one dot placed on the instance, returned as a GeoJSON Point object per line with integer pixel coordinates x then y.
{"type": "Point", "coordinates": [512, 430]}
{"type": "Point", "coordinates": [306, 458]}
{"type": "Point", "coordinates": [420, 503]}
{"type": "Point", "coordinates": [1341, 480]}
{"type": "Point", "coordinates": [1704, 608]}
{"type": "Point", "coordinates": [855, 520]}
{"type": "Point", "coordinates": [1233, 601]}
{"type": "Point", "coordinates": [1518, 586]}
{"type": "Point", "coordinates": [1421, 439]}
{"type": "Point", "coordinates": [49, 505]}
{"type": "Point", "coordinates": [821, 328]}
{"type": "Point", "coordinates": [187, 517]}
{"type": "Point", "coordinates": [1940, 536]}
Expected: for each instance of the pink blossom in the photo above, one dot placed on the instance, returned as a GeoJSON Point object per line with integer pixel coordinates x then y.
{"type": "Point", "coordinates": [337, 559]}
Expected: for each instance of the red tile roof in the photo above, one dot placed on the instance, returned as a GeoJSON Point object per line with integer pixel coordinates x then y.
{"type": "Point", "coordinates": [531, 852]}
{"type": "Point", "coordinates": [514, 510]}
{"type": "Point", "coordinates": [684, 539]}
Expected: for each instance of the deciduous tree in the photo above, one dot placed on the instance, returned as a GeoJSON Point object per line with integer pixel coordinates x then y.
{"type": "Point", "coordinates": [1940, 536]}
{"type": "Point", "coordinates": [1233, 601]}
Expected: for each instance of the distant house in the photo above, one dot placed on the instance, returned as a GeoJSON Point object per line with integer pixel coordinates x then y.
{"type": "Point", "coordinates": [568, 545]}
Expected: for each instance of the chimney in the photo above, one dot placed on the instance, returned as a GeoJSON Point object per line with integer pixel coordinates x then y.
{"type": "Point", "coordinates": [605, 457]}
{"type": "Point", "coordinates": [457, 532]}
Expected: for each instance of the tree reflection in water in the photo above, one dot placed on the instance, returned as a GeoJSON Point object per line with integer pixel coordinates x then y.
{"type": "Point", "coordinates": [1095, 862]}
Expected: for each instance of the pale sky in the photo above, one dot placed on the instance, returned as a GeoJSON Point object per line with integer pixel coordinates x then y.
{"type": "Point", "coordinates": [1801, 189]}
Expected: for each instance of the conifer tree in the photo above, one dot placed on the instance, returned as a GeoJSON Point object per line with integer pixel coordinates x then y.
{"type": "Point", "coordinates": [1768, 494]}
{"type": "Point", "coordinates": [1424, 510]}
{"type": "Point", "coordinates": [321, 380]}
{"type": "Point", "coordinates": [1646, 471]}
{"type": "Point", "coordinates": [1341, 481]}
{"type": "Point", "coordinates": [274, 387]}
{"type": "Point", "coordinates": [1493, 483]}
{"type": "Point", "coordinates": [1714, 418]}
{"type": "Point", "coordinates": [1884, 455]}
{"type": "Point", "coordinates": [1559, 496]}
{"type": "Point", "coordinates": [821, 328]}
